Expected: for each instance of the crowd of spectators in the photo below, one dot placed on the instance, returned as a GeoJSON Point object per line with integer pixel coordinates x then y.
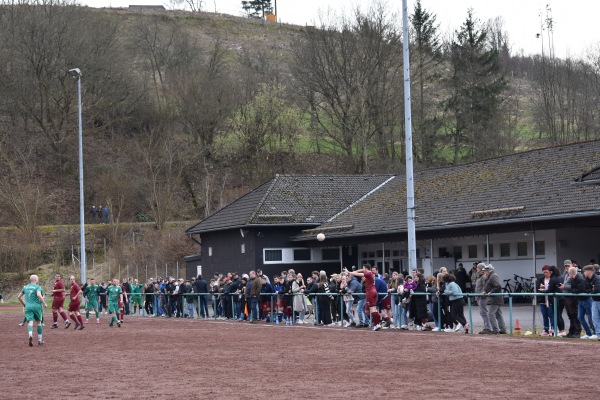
{"type": "Point", "coordinates": [412, 301]}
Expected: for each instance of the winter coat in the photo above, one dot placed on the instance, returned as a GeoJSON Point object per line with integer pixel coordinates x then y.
{"type": "Point", "coordinates": [418, 303]}
{"type": "Point", "coordinates": [491, 284]}
{"type": "Point", "coordinates": [298, 297]}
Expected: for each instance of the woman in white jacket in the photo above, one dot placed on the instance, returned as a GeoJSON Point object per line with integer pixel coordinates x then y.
{"type": "Point", "coordinates": [298, 291]}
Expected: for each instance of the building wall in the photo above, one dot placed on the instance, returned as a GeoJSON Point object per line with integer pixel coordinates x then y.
{"type": "Point", "coordinates": [442, 253]}
{"type": "Point", "coordinates": [581, 245]}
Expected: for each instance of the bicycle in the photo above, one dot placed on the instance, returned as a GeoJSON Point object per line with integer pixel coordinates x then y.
{"type": "Point", "coordinates": [508, 288]}
{"type": "Point", "coordinates": [523, 285]}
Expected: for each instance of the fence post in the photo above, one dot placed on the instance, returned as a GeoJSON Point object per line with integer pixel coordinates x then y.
{"type": "Point", "coordinates": [510, 313]}
{"type": "Point", "coordinates": [341, 298]}
{"type": "Point", "coordinates": [555, 311]}
{"type": "Point", "coordinates": [470, 314]}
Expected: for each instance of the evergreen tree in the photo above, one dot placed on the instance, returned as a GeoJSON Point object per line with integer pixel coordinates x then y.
{"type": "Point", "coordinates": [476, 83]}
{"type": "Point", "coordinates": [257, 8]}
{"type": "Point", "coordinates": [426, 57]}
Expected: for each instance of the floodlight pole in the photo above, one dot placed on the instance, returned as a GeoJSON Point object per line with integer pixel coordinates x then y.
{"type": "Point", "coordinates": [410, 188]}
{"type": "Point", "coordinates": [76, 74]}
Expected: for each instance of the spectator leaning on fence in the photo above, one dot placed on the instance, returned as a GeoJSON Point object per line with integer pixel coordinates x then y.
{"type": "Point", "coordinates": [457, 303]}
{"type": "Point", "coordinates": [494, 303]}
{"type": "Point", "coordinates": [592, 285]}
{"type": "Point", "coordinates": [574, 284]}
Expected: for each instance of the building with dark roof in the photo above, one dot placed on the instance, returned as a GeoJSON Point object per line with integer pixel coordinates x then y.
{"type": "Point", "coordinates": [517, 212]}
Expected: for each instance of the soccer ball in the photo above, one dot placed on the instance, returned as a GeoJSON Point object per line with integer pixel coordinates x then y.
{"type": "Point", "coordinates": [321, 237]}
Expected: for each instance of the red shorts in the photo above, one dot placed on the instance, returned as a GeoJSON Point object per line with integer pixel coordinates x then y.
{"type": "Point", "coordinates": [371, 299]}
{"type": "Point", "coordinates": [386, 303]}
{"type": "Point", "coordinates": [74, 305]}
{"type": "Point", "coordinates": [58, 303]}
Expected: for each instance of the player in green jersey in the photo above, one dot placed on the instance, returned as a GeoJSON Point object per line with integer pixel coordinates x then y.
{"type": "Point", "coordinates": [115, 296]}
{"type": "Point", "coordinates": [136, 296]}
{"type": "Point", "coordinates": [91, 299]}
{"type": "Point", "coordinates": [32, 299]}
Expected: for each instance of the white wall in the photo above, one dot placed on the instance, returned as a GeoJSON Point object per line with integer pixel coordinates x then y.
{"type": "Point", "coordinates": [580, 244]}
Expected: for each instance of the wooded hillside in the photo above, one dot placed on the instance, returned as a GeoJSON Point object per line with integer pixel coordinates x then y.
{"type": "Point", "coordinates": [183, 112]}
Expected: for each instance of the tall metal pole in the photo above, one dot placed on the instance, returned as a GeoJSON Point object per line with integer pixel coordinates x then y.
{"type": "Point", "coordinates": [76, 73]}
{"type": "Point", "coordinates": [410, 188]}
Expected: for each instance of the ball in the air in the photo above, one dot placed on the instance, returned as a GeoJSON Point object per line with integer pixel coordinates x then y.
{"type": "Point", "coordinates": [321, 237]}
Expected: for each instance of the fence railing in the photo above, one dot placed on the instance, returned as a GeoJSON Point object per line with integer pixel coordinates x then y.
{"type": "Point", "coordinates": [240, 304]}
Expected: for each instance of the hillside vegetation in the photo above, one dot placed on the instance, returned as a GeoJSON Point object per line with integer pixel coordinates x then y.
{"type": "Point", "coordinates": [183, 112]}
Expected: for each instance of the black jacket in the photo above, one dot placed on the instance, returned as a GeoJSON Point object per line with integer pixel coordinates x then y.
{"type": "Point", "coordinates": [201, 286]}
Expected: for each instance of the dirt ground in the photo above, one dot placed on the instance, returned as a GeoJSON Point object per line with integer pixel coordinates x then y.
{"type": "Point", "coordinates": [160, 358]}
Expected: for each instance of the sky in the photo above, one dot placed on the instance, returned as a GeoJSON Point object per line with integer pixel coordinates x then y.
{"type": "Point", "coordinates": [574, 31]}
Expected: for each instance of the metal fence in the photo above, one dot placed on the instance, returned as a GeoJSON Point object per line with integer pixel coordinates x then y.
{"type": "Point", "coordinates": [167, 304]}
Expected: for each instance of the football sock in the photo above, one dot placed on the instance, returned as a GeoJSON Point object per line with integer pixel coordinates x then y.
{"type": "Point", "coordinates": [376, 318]}
{"type": "Point", "coordinates": [87, 315]}
{"type": "Point", "coordinates": [96, 314]}
{"type": "Point", "coordinates": [39, 331]}
{"type": "Point", "coordinates": [74, 318]}
{"type": "Point", "coordinates": [55, 316]}
{"type": "Point", "coordinates": [64, 315]}
{"type": "Point", "coordinates": [80, 319]}
{"type": "Point", "coordinates": [30, 330]}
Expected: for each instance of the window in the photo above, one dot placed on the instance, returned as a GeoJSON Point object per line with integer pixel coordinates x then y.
{"type": "Point", "coordinates": [521, 249]}
{"type": "Point", "coordinates": [442, 252]}
{"type": "Point", "coordinates": [457, 250]}
{"type": "Point", "coordinates": [273, 255]}
{"type": "Point", "coordinates": [371, 254]}
{"type": "Point", "coordinates": [210, 251]}
{"type": "Point", "coordinates": [365, 254]}
{"type": "Point", "coordinates": [540, 248]}
{"type": "Point", "coordinates": [396, 264]}
{"type": "Point", "coordinates": [243, 249]}
{"type": "Point", "coordinates": [504, 249]}
{"type": "Point", "coordinates": [330, 254]}
{"type": "Point", "coordinates": [396, 253]}
{"type": "Point", "coordinates": [485, 250]}
{"type": "Point", "coordinates": [473, 251]}
{"type": "Point", "coordinates": [302, 255]}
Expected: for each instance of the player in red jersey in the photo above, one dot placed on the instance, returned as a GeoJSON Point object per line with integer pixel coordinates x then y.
{"type": "Point", "coordinates": [58, 299]}
{"type": "Point", "coordinates": [371, 292]}
{"type": "Point", "coordinates": [75, 304]}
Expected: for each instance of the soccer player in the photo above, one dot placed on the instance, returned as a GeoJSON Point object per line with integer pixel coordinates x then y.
{"type": "Point", "coordinates": [34, 299]}
{"type": "Point", "coordinates": [115, 297]}
{"type": "Point", "coordinates": [136, 296]}
{"type": "Point", "coordinates": [75, 304]}
{"type": "Point", "coordinates": [371, 294]}
{"type": "Point", "coordinates": [58, 299]}
{"type": "Point", "coordinates": [91, 297]}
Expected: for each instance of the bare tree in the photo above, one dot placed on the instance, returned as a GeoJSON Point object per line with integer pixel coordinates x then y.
{"type": "Point", "coordinates": [350, 75]}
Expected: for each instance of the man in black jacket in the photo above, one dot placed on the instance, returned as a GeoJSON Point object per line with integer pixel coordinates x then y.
{"type": "Point", "coordinates": [235, 291]}
{"type": "Point", "coordinates": [574, 283]}
{"type": "Point", "coordinates": [201, 287]}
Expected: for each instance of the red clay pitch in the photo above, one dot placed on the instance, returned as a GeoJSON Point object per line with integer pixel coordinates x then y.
{"type": "Point", "coordinates": [162, 358]}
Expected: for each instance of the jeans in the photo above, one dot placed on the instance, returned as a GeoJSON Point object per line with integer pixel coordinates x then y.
{"type": "Point", "coordinates": [254, 309]}
{"type": "Point", "coordinates": [155, 305]}
{"type": "Point", "coordinates": [596, 316]}
{"type": "Point", "coordinates": [349, 311]}
{"type": "Point", "coordinates": [585, 308]}
{"type": "Point", "coordinates": [547, 317]}
{"type": "Point", "coordinates": [360, 309]}
{"type": "Point", "coordinates": [237, 309]}
{"type": "Point", "coordinates": [203, 306]}
{"type": "Point", "coordinates": [190, 310]}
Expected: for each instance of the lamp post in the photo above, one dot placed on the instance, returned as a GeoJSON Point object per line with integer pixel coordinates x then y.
{"type": "Point", "coordinates": [76, 74]}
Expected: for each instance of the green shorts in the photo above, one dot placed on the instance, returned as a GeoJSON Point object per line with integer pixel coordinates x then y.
{"type": "Point", "coordinates": [91, 305]}
{"type": "Point", "coordinates": [113, 308]}
{"type": "Point", "coordinates": [33, 313]}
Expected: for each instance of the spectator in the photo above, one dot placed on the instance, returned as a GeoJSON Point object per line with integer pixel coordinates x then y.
{"type": "Point", "coordinates": [547, 284]}
{"type": "Point", "coordinates": [431, 287]}
{"type": "Point", "coordinates": [575, 284]}
{"type": "Point", "coordinates": [592, 286]}
{"type": "Point", "coordinates": [105, 214]}
{"type": "Point", "coordinates": [457, 303]}
{"type": "Point", "coordinates": [482, 301]}
{"type": "Point", "coordinates": [255, 288]}
{"type": "Point", "coordinates": [236, 296]}
{"type": "Point", "coordinates": [201, 288]}
{"type": "Point", "coordinates": [492, 285]}
{"type": "Point", "coordinates": [265, 299]}
{"type": "Point", "coordinates": [93, 214]}
{"type": "Point", "coordinates": [418, 303]}
{"type": "Point", "coordinates": [298, 288]}
{"type": "Point", "coordinates": [324, 300]}
{"type": "Point", "coordinates": [462, 277]}
{"type": "Point", "coordinates": [279, 304]}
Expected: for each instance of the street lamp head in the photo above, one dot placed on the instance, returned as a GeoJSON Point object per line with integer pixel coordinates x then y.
{"type": "Point", "coordinates": [75, 72]}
